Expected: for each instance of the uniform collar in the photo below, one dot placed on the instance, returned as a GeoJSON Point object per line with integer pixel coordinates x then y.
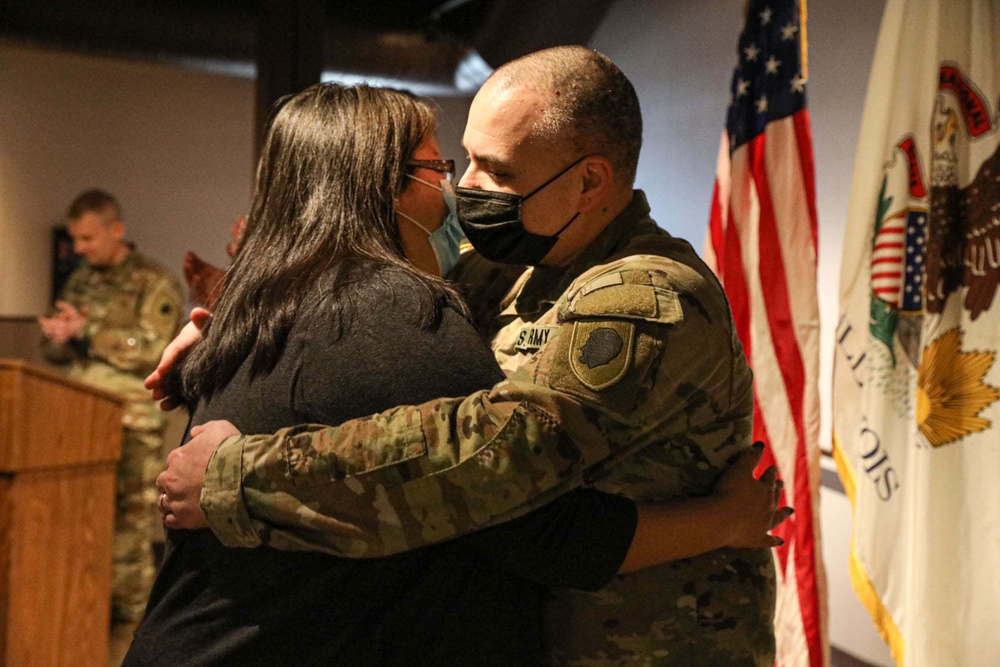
{"type": "Point", "coordinates": [541, 286]}
{"type": "Point", "coordinates": [126, 266]}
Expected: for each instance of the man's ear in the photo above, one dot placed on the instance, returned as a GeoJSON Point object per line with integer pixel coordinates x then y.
{"type": "Point", "coordinates": [598, 177]}
{"type": "Point", "coordinates": [118, 229]}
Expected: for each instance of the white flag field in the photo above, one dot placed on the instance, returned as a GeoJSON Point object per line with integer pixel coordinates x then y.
{"type": "Point", "coordinates": [916, 403]}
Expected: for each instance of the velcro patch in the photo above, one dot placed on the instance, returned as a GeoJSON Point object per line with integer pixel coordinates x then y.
{"type": "Point", "coordinates": [534, 338]}
{"type": "Point", "coordinates": [611, 296]}
{"type": "Point", "coordinates": [600, 353]}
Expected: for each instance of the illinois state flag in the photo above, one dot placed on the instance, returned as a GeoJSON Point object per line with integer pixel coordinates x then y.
{"type": "Point", "coordinates": [762, 245]}
{"type": "Point", "coordinates": [916, 399]}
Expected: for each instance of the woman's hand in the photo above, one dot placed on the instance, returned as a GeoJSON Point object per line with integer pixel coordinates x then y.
{"type": "Point", "coordinates": [180, 484]}
{"type": "Point", "coordinates": [753, 503]}
{"type": "Point", "coordinates": [188, 336]}
{"type": "Point", "coordinates": [739, 514]}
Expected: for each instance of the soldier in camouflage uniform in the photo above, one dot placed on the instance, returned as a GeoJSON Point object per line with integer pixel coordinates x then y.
{"type": "Point", "coordinates": [114, 316]}
{"type": "Point", "coordinates": [625, 373]}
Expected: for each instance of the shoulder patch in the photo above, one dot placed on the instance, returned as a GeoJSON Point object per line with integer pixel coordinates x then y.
{"type": "Point", "coordinates": [600, 353]}
{"type": "Point", "coordinates": [625, 294]}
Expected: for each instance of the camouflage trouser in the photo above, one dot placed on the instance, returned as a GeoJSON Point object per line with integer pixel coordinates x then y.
{"type": "Point", "coordinates": [716, 610]}
{"type": "Point", "coordinates": [136, 520]}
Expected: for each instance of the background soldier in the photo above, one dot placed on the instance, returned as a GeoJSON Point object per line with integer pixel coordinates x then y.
{"type": "Point", "coordinates": [115, 315]}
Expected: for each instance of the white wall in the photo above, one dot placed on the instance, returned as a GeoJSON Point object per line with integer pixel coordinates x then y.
{"type": "Point", "coordinates": [680, 54]}
{"type": "Point", "coordinates": [451, 115]}
{"type": "Point", "coordinates": [173, 145]}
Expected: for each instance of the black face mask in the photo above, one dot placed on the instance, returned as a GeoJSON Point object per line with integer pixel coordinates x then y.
{"type": "Point", "coordinates": [492, 223]}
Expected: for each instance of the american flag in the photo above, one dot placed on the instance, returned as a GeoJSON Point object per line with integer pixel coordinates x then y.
{"type": "Point", "coordinates": [897, 266]}
{"type": "Point", "coordinates": [762, 243]}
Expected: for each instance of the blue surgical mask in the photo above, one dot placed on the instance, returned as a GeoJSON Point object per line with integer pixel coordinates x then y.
{"type": "Point", "coordinates": [447, 239]}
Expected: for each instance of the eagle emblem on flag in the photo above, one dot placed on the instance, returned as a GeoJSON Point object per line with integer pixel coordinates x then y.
{"type": "Point", "coordinates": [930, 245]}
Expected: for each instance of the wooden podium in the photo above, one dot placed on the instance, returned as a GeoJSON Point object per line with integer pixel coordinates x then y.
{"type": "Point", "coordinates": [59, 442]}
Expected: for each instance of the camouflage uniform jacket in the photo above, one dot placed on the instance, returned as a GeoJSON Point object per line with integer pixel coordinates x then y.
{"type": "Point", "coordinates": [625, 373]}
{"type": "Point", "coordinates": [133, 310]}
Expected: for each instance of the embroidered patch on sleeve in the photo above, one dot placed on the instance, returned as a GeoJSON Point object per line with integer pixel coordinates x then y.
{"type": "Point", "coordinates": [533, 338]}
{"type": "Point", "coordinates": [600, 353]}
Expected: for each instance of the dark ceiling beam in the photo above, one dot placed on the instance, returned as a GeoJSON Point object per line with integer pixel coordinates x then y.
{"type": "Point", "coordinates": [227, 33]}
{"type": "Point", "coordinates": [140, 28]}
{"type": "Point", "coordinates": [409, 56]}
{"type": "Point", "coordinates": [289, 54]}
{"type": "Point", "coordinates": [514, 28]}
{"type": "Point", "coordinates": [405, 40]}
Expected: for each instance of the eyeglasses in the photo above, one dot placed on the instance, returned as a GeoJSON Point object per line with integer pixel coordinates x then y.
{"type": "Point", "coordinates": [446, 167]}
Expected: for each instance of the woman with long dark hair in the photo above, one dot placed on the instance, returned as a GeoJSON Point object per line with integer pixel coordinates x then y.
{"type": "Point", "coordinates": [331, 170]}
